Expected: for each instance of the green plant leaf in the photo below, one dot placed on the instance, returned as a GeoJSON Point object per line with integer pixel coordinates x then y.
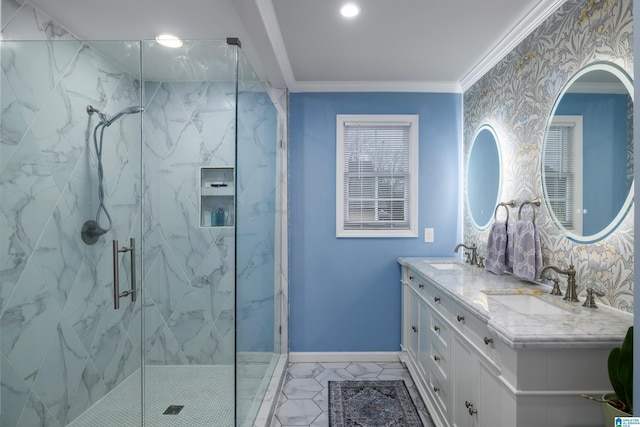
{"type": "Point", "coordinates": [625, 368]}
{"type": "Point", "coordinates": [612, 363]}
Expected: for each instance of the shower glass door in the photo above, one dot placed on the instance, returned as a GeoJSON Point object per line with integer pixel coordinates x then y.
{"type": "Point", "coordinates": [257, 247]}
{"type": "Point", "coordinates": [70, 185]}
{"type": "Point", "coordinates": [189, 212]}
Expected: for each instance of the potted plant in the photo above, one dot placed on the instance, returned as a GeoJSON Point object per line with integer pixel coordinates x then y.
{"type": "Point", "coordinates": [620, 367]}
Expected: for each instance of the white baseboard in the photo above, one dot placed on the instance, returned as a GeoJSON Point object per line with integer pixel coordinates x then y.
{"type": "Point", "coordinates": [344, 356]}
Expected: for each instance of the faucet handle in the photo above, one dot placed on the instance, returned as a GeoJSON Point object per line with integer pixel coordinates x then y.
{"type": "Point", "coordinates": [556, 286]}
{"type": "Point", "coordinates": [480, 261]}
{"type": "Point", "coordinates": [590, 302]}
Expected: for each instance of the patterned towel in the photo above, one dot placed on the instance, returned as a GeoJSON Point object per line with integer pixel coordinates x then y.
{"type": "Point", "coordinates": [527, 253]}
{"type": "Point", "coordinates": [495, 260]}
{"type": "Point", "coordinates": [509, 255]}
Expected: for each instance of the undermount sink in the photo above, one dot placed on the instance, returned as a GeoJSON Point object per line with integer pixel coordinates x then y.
{"type": "Point", "coordinates": [447, 266]}
{"type": "Point", "coordinates": [528, 304]}
{"type": "Point", "coordinates": [443, 265]}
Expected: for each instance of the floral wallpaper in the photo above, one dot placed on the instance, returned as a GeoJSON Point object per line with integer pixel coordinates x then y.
{"type": "Point", "coordinates": [516, 97]}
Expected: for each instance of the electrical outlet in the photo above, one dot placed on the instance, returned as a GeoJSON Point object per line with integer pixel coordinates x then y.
{"type": "Point", "coordinates": [428, 235]}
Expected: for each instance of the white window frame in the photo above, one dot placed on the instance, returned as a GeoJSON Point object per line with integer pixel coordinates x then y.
{"type": "Point", "coordinates": [577, 212]}
{"type": "Point", "coordinates": [377, 119]}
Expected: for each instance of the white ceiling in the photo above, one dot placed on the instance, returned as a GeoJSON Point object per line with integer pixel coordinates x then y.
{"type": "Point", "coordinates": [305, 45]}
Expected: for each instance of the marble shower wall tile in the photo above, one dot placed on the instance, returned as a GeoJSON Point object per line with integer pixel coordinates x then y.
{"type": "Point", "coordinates": [257, 133]}
{"type": "Point", "coordinates": [29, 193]}
{"type": "Point", "coordinates": [13, 393]}
{"type": "Point", "coordinates": [28, 323]}
{"type": "Point", "coordinates": [166, 283]}
{"type": "Point", "coordinates": [13, 261]}
{"type": "Point", "coordinates": [61, 372]}
{"type": "Point", "coordinates": [59, 254]}
{"type": "Point", "coordinates": [86, 304]}
{"type": "Point", "coordinates": [9, 8]}
{"type": "Point", "coordinates": [12, 123]}
{"type": "Point", "coordinates": [63, 346]}
{"type": "Point", "coordinates": [90, 389]}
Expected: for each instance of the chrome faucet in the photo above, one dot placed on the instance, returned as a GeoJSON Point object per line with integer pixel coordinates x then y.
{"type": "Point", "coordinates": [572, 286]}
{"type": "Point", "coordinates": [473, 248]}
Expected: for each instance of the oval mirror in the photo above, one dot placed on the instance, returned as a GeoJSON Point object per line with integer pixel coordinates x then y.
{"type": "Point", "coordinates": [483, 176]}
{"type": "Point", "coordinates": [587, 157]}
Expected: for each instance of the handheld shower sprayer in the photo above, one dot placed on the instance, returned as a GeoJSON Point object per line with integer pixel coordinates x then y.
{"type": "Point", "coordinates": [91, 230]}
{"type": "Point", "coordinates": [105, 121]}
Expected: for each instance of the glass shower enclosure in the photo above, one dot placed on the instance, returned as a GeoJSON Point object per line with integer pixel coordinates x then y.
{"type": "Point", "coordinates": [138, 245]}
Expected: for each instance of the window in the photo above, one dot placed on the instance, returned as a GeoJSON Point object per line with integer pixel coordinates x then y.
{"type": "Point", "coordinates": [563, 171]}
{"type": "Point", "coordinates": [377, 176]}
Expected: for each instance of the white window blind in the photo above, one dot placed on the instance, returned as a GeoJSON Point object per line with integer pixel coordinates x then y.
{"type": "Point", "coordinates": [563, 175]}
{"type": "Point", "coordinates": [376, 176]}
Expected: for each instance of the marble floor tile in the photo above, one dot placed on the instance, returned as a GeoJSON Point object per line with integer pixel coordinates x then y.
{"type": "Point", "coordinates": [304, 398]}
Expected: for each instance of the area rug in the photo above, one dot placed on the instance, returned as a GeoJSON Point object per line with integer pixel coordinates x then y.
{"type": "Point", "coordinates": [371, 404]}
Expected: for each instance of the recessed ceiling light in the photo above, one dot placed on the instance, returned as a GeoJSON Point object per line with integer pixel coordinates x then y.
{"type": "Point", "coordinates": [168, 40]}
{"type": "Point", "coordinates": [349, 10]}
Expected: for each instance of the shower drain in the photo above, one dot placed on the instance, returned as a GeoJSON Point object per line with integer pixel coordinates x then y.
{"type": "Point", "coordinates": [173, 410]}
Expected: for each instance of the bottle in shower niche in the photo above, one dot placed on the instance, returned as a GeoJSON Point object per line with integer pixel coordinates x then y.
{"type": "Point", "coordinates": [217, 217]}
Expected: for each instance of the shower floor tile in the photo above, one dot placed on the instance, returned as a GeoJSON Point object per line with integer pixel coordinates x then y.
{"type": "Point", "coordinates": [206, 392]}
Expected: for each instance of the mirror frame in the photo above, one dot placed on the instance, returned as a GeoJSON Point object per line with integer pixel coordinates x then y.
{"type": "Point", "coordinates": [627, 81]}
{"type": "Point", "coordinates": [489, 128]}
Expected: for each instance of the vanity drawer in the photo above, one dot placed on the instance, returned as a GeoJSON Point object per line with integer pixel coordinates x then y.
{"type": "Point", "coordinates": [438, 300]}
{"type": "Point", "coordinates": [418, 283]}
{"type": "Point", "coordinates": [474, 330]}
{"type": "Point", "coordinates": [439, 359]}
{"type": "Point", "coordinates": [439, 390]}
{"type": "Point", "coordinates": [439, 330]}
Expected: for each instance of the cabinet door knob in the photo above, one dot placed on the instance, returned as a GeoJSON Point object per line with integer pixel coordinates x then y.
{"type": "Point", "coordinates": [436, 328]}
{"type": "Point", "coordinates": [421, 286]}
{"type": "Point", "coordinates": [410, 277]}
{"type": "Point", "coordinates": [460, 318]}
{"type": "Point", "coordinates": [436, 299]}
{"type": "Point", "coordinates": [469, 406]}
{"type": "Point", "coordinates": [488, 341]}
{"type": "Point", "coordinates": [414, 328]}
{"type": "Point", "coordinates": [436, 358]}
{"type": "Point", "coordinates": [436, 389]}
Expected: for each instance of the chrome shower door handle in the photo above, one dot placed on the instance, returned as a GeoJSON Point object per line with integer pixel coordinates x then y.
{"type": "Point", "coordinates": [116, 273]}
{"type": "Point", "coordinates": [116, 277]}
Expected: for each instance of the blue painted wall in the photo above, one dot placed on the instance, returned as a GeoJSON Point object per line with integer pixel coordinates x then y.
{"type": "Point", "coordinates": [604, 149]}
{"type": "Point", "coordinates": [345, 293]}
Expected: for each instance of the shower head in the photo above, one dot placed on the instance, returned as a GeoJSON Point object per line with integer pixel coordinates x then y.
{"type": "Point", "coordinates": [129, 110]}
{"type": "Point", "coordinates": [104, 121]}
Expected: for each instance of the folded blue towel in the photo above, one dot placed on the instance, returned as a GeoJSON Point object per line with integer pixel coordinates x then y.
{"type": "Point", "coordinates": [495, 260]}
{"type": "Point", "coordinates": [527, 253]}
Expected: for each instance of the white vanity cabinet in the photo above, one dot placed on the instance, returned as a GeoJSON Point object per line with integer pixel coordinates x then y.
{"type": "Point", "coordinates": [470, 375]}
{"type": "Point", "coordinates": [477, 391]}
{"type": "Point", "coordinates": [446, 365]}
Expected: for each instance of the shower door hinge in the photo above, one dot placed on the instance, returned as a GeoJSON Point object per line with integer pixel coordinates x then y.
{"type": "Point", "coordinates": [234, 41]}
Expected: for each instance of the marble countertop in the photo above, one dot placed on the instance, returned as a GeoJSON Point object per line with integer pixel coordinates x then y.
{"type": "Point", "coordinates": [571, 326]}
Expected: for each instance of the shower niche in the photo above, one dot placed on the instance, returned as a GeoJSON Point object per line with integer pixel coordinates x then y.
{"type": "Point", "coordinates": [217, 196]}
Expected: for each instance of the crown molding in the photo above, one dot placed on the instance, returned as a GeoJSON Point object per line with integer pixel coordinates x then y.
{"type": "Point", "coordinates": [509, 41]}
{"type": "Point", "coordinates": [375, 86]}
